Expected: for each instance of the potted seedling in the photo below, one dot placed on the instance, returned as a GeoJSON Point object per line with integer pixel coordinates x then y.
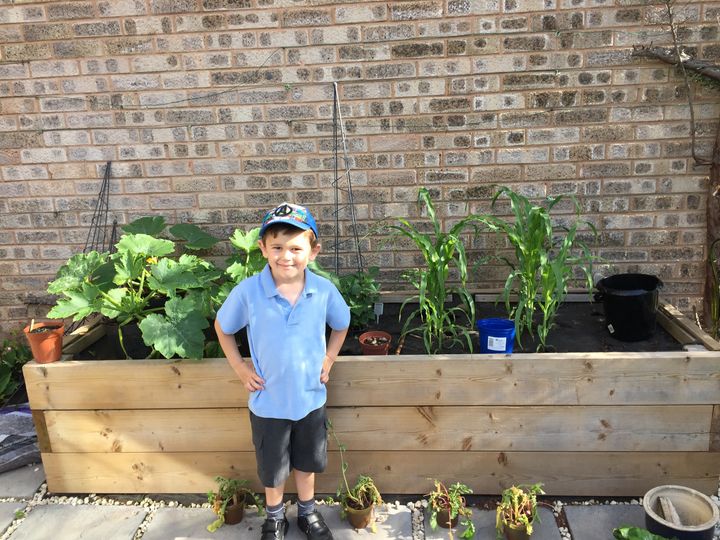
{"type": "Point", "coordinates": [45, 339]}
{"type": "Point", "coordinates": [517, 511]}
{"type": "Point", "coordinates": [228, 501]}
{"type": "Point", "coordinates": [448, 506]}
{"type": "Point", "coordinates": [359, 501]}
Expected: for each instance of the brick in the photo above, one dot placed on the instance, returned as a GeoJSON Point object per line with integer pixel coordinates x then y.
{"type": "Point", "coordinates": [119, 8]}
{"type": "Point", "coordinates": [417, 50]}
{"type": "Point", "coordinates": [306, 17]}
{"type": "Point", "coordinates": [356, 13]}
{"type": "Point", "coordinates": [408, 11]}
{"type": "Point", "coordinates": [26, 51]}
{"type": "Point", "coordinates": [387, 32]}
{"type": "Point", "coordinates": [129, 45]}
{"type": "Point", "coordinates": [532, 155]}
{"type": "Point", "coordinates": [43, 155]}
{"type": "Point", "coordinates": [389, 71]}
{"type": "Point", "coordinates": [78, 48]}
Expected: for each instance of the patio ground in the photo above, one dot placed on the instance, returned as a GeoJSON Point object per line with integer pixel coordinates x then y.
{"type": "Point", "coordinates": [29, 512]}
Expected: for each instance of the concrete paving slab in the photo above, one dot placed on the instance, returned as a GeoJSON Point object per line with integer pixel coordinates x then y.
{"type": "Point", "coordinates": [21, 483]}
{"type": "Point", "coordinates": [191, 524]}
{"type": "Point", "coordinates": [7, 514]}
{"type": "Point", "coordinates": [484, 521]}
{"type": "Point", "coordinates": [81, 522]}
{"type": "Point", "coordinates": [596, 522]}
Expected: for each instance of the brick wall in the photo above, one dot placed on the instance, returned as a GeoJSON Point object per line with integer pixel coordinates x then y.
{"type": "Point", "coordinates": [213, 110]}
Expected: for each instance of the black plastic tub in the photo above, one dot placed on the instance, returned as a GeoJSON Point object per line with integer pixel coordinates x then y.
{"type": "Point", "coordinates": [630, 302]}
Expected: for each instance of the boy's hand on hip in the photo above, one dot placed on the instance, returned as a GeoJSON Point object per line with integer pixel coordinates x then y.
{"type": "Point", "coordinates": [250, 379]}
{"type": "Point", "coordinates": [327, 366]}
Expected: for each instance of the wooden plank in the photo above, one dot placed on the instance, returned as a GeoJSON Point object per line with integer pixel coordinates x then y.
{"type": "Point", "coordinates": [563, 473]}
{"type": "Point", "coordinates": [151, 430]}
{"type": "Point", "coordinates": [715, 430]}
{"type": "Point", "coordinates": [43, 437]}
{"type": "Point", "coordinates": [82, 338]}
{"type": "Point", "coordinates": [564, 428]}
{"type": "Point", "coordinates": [662, 378]}
{"type": "Point", "coordinates": [675, 330]}
{"type": "Point", "coordinates": [690, 327]}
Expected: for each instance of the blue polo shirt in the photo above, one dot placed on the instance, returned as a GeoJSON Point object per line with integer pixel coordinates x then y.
{"type": "Point", "coordinates": [287, 343]}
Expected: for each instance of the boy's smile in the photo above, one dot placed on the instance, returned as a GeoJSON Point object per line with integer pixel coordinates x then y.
{"type": "Point", "coordinates": [288, 254]}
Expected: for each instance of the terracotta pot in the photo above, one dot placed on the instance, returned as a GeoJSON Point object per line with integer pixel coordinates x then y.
{"type": "Point", "coordinates": [444, 521]}
{"type": "Point", "coordinates": [46, 341]}
{"type": "Point", "coordinates": [359, 519]}
{"type": "Point", "coordinates": [512, 533]}
{"type": "Point", "coordinates": [375, 342]}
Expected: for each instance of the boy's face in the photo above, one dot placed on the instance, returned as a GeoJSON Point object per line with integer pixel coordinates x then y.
{"type": "Point", "coordinates": [288, 253]}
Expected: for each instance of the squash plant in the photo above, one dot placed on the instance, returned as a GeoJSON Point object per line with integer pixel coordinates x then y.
{"type": "Point", "coordinates": [171, 298]}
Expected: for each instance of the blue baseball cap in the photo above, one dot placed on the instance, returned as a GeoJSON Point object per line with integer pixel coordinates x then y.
{"type": "Point", "coordinates": [292, 214]}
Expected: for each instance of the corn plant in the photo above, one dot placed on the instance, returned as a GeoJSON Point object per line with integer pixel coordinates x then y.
{"type": "Point", "coordinates": [440, 324]}
{"type": "Point", "coordinates": [546, 257]}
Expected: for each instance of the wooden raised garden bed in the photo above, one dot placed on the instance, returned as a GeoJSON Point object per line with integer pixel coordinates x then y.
{"type": "Point", "coordinates": [586, 423]}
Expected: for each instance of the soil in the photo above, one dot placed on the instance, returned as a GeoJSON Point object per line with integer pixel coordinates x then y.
{"type": "Point", "coordinates": [43, 329]}
{"type": "Point", "coordinates": [579, 327]}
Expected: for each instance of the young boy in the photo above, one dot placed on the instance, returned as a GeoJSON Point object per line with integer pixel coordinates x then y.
{"type": "Point", "coordinates": [286, 308]}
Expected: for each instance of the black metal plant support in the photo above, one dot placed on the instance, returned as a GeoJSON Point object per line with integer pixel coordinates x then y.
{"type": "Point", "coordinates": [342, 184]}
{"type": "Point", "coordinates": [97, 238]}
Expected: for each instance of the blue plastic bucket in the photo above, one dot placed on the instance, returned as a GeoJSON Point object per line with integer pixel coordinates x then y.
{"type": "Point", "coordinates": [496, 335]}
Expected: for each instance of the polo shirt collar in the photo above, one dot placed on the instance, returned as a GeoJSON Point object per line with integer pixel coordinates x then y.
{"type": "Point", "coordinates": [270, 290]}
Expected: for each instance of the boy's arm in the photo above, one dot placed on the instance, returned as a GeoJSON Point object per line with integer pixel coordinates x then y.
{"type": "Point", "coordinates": [246, 373]}
{"type": "Point", "coordinates": [335, 342]}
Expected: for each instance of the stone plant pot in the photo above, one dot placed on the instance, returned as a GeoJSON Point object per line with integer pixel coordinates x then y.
{"type": "Point", "coordinates": [697, 512]}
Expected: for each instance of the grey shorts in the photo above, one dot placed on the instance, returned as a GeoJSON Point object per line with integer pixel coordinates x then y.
{"type": "Point", "coordinates": [281, 445]}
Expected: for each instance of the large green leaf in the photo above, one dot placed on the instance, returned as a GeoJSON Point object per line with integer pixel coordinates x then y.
{"type": "Point", "coordinates": [194, 236]}
{"type": "Point", "coordinates": [78, 304]}
{"type": "Point", "coordinates": [146, 225]}
{"type": "Point", "coordinates": [128, 267]}
{"type": "Point", "coordinates": [178, 332]}
{"type": "Point", "coordinates": [143, 244]}
{"type": "Point", "coordinates": [77, 269]}
{"type": "Point", "coordinates": [246, 241]}
{"type": "Point", "coordinates": [167, 276]}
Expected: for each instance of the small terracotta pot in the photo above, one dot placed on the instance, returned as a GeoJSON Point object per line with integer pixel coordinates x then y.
{"type": "Point", "coordinates": [444, 521]}
{"type": "Point", "coordinates": [46, 345]}
{"type": "Point", "coordinates": [375, 342]}
{"type": "Point", "coordinates": [359, 519]}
